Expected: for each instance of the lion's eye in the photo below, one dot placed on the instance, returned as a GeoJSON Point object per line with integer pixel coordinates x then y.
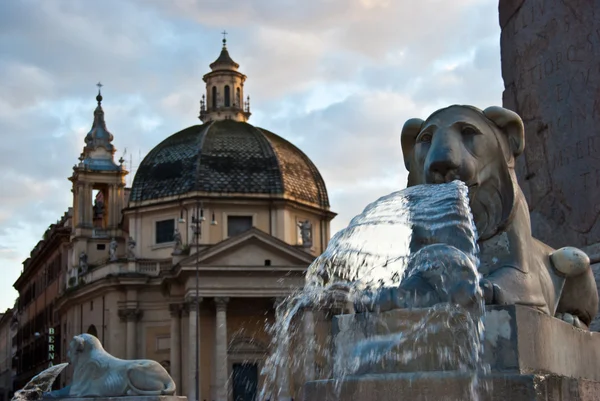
{"type": "Point", "coordinates": [470, 131]}
{"type": "Point", "coordinates": [424, 137]}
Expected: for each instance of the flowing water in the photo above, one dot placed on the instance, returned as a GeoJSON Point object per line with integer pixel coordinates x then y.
{"type": "Point", "coordinates": [40, 384]}
{"type": "Point", "coordinates": [424, 232]}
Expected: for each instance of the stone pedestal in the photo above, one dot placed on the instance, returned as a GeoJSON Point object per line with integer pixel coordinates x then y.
{"type": "Point", "coordinates": [532, 356]}
{"type": "Point", "coordinates": [448, 386]}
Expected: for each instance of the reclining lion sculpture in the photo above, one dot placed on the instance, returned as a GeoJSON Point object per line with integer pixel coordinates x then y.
{"type": "Point", "coordinates": [96, 373]}
{"type": "Point", "coordinates": [479, 147]}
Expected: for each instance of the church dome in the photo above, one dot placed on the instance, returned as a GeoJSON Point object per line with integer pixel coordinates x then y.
{"type": "Point", "coordinates": [228, 157]}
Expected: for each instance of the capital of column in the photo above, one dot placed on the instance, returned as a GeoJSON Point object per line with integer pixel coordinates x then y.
{"type": "Point", "coordinates": [130, 314]}
{"type": "Point", "coordinates": [221, 303]}
{"type": "Point", "coordinates": [190, 305]}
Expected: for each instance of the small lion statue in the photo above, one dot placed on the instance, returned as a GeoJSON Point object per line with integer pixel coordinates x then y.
{"type": "Point", "coordinates": [479, 147]}
{"type": "Point", "coordinates": [96, 373]}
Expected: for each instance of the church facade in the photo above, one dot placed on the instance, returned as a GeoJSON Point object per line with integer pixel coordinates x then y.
{"type": "Point", "coordinates": [187, 266]}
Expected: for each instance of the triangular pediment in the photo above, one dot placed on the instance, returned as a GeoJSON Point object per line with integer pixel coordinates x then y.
{"type": "Point", "coordinates": [251, 248]}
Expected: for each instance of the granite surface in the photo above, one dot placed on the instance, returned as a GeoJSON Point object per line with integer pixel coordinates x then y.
{"type": "Point", "coordinates": [551, 70]}
{"type": "Point", "coordinates": [442, 386]}
{"type": "Point", "coordinates": [517, 339]}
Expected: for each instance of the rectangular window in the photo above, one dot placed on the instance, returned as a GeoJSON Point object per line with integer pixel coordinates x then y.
{"type": "Point", "coordinates": [238, 224]}
{"type": "Point", "coordinates": [164, 231]}
{"type": "Point", "coordinates": [163, 343]}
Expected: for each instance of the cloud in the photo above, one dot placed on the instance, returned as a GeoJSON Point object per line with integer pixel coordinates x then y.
{"type": "Point", "coordinates": [338, 78]}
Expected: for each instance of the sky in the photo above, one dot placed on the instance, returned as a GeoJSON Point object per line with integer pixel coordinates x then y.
{"type": "Point", "coordinates": [338, 78]}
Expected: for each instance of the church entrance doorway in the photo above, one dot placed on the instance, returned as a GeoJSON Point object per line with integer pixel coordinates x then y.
{"type": "Point", "coordinates": [245, 381]}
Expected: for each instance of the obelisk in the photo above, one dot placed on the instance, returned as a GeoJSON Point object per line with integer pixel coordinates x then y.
{"type": "Point", "coordinates": [551, 70]}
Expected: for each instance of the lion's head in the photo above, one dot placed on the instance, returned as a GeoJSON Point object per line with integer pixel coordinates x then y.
{"type": "Point", "coordinates": [474, 146]}
{"type": "Point", "coordinates": [82, 344]}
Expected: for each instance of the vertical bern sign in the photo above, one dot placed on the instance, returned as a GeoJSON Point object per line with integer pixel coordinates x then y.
{"type": "Point", "coordinates": [51, 345]}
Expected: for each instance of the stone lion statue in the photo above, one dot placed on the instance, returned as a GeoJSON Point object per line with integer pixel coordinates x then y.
{"type": "Point", "coordinates": [479, 147]}
{"type": "Point", "coordinates": [96, 373]}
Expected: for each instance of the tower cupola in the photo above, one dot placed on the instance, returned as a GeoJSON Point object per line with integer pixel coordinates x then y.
{"type": "Point", "coordinates": [224, 99]}
{"type": "Point", "coordinates": [98, 152]}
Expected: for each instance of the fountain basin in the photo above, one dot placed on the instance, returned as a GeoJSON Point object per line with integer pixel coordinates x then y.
{"type": "Point", "coordinates": [529, 354]}
{"type": "Point", "coordinates": [453, 386]}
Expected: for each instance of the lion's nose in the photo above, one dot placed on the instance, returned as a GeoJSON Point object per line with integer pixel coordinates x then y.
{"type": "Point", "coordinates": [442, 170]}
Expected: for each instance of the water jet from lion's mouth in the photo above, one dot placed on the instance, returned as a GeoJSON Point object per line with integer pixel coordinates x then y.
{"type": "Point", "coordinates": [40, 384]}
{"type": "Point", "coordinates": [372, 255]}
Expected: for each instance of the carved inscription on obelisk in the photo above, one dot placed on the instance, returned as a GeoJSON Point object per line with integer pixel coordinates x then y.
{"type": "Point", "coordinates": [551, 72]}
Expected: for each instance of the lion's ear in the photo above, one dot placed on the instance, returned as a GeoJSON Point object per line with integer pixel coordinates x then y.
{"type": "Point", "coordinates": [511, 124]}
{"type": "Point", "coordinates": [410, 131]}
{"type": "Point", "coordinates": [79, 343]}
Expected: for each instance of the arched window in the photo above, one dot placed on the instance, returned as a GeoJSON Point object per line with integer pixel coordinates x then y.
{"type": "Point", "coordinates": [227, 96]}
{"type": "Point", "coordinates": [214, 97]}
{"type": "Point", "coordinates": [238, 98]}
{"type": "Point", "coordinates": [92, 330]}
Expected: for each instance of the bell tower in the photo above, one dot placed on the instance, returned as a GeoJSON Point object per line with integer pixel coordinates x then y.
{"type": "Point", "coordinates": [224, 98]}
{"type": "Point", "coordinates": [98, 194]}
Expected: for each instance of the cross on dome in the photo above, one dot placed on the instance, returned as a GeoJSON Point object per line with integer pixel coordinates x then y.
{"type": "Point", "coordinates": [99, 97]}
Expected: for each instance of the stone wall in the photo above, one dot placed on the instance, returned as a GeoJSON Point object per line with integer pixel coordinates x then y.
{"type": "Point", "coordinates": [551, 71]}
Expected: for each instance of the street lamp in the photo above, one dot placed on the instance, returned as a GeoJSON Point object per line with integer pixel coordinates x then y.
{"type": "Point", "coordinates": [197, 229]}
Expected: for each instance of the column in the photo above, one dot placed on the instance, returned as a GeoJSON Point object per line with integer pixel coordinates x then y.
{"type": "Point", "coordinates": [115, 205]}
{"type": "Point", "coordinates": [110, 207]}
{"type": "Point", "coordinates": [221, 349]}
{"type": "Point", "coordinates": [79, 194]}
{"type": "Point", "coordinates": [283, 376]}
{"type": "Point", "coordinates": [175, 356]}
{"type": "Point", "coordinates": [308, 325]}
{"type": "Point", "coordinates": [194, 353]}
{"type": "Point", "coordinates": [87, 206]}
{"type": "Point", "coordinates": [130, 316]}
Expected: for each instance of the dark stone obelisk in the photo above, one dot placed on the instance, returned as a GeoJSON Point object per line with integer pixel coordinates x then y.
{"type": "Point", "coordinates": [551, 71]}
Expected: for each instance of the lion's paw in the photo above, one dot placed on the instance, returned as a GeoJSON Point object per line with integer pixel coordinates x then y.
{"type": "Point", "coordinates": [492, 293]}
{"type": "Point", "coordinates": [382, 300]}
{"type": "Point", "coordinates": [570, 319]}
{"type": "Point", "coordinates": [570, 261]}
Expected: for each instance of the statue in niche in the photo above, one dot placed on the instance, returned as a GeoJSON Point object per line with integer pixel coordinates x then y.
{"type": "Point", "coordinates": [98, 208]}
{"type": "Point", "coordinates": [112, 250]}
{"type": "Point", "coordinates": [97, 374]}
{"type": "Point", "coordinates": [131, 244]}
{"type": "Point", "coordinates": [479, 147]}
{"type": "Point", "coordinates": [177, 243]}
{"type": "Point", "coordinates": [305, 233]}
{"type": "Point", "coordinates": [83, 263]}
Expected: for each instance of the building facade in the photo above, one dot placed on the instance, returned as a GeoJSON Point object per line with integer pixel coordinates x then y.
{"type": "Point", "coordinates": [36, 319]}
{"type": "Point", "coordinates": [187, 266]}
{"type": "Point", "coordinates": [6, 355]}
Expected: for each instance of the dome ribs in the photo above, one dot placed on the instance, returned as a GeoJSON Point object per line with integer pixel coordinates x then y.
{"type": "Point", "coordinates": [301, 179]}
{"type": "Point", "coordinates": [228, 157]}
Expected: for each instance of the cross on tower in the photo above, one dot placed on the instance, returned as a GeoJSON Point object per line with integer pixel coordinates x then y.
{"type": "Point", "coordinates": [224, 33]}
{"type": "Point", "coordinates": [99, 85]}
